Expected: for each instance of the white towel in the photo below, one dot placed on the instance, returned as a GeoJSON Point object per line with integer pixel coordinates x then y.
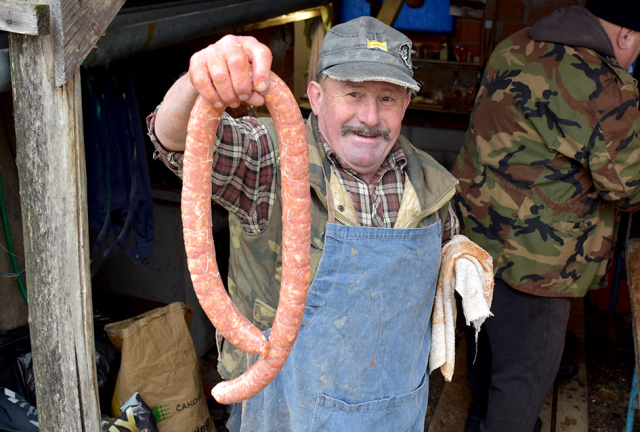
{"type": "Point", "coordinates": [467, 269]}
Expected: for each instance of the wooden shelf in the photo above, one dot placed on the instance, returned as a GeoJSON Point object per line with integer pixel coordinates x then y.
{"type": "Point", "coordinates": [416, 106]}
{"type": "Point", "coordinates": [467, 9]}
{"type": "Point", "coordinates": [417, 62]}
{"type": "Point", "coordinates": [438, 108]}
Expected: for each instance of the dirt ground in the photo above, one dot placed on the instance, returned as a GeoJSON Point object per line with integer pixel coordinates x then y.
{"type": "Point", "coordinates": [610, 367]}
{"type": "Point", "coordinates": [609, 354]}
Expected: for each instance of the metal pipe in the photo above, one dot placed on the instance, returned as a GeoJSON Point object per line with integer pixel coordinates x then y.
{"type": "Point", "coordinates": [137, 30]}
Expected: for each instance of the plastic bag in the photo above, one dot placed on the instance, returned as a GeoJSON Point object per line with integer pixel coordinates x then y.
{"type": "Point", "coordinates": [135, 416]}
{"type": "Point", "coordinates": [16, 372]}
{"type": "Point", "coordinates": [16, 363]}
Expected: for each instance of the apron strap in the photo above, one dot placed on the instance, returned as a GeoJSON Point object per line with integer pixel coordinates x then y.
{"type": "Point", "coordinates": [330, 203]}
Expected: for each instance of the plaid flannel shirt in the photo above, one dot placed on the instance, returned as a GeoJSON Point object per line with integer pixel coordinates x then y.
{"type": "Point", "coordinates": [243, 177]}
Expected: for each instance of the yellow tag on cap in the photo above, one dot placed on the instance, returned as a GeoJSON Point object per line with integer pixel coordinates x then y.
{"type": "Point", "coordinates": [377, 44]}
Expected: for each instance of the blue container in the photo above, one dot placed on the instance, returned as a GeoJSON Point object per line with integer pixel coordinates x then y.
{"type": "Point", "coordinates": [432, 17]}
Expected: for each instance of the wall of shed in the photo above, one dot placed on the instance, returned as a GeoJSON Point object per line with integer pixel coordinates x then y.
{"type": "Point", "coordinates": [14, 308]}
{"type": "Point", "coordinates": [124, 288]}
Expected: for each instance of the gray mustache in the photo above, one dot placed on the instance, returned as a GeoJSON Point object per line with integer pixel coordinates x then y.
{"type": "Point", "coordinates": [366, 131]}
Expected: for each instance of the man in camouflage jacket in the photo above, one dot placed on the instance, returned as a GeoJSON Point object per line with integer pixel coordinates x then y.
{"type": "Point", "coordinates": [551, 156]}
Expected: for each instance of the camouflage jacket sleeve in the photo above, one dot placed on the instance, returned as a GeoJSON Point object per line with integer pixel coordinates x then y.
{"type": "Point", "coordinates": [614, 151]}
{"type": "Point", "coordinates": [611, 152]}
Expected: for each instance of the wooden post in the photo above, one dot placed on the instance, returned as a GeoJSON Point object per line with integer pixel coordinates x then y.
{"type": "Point", "coordinates": [390, 11]}
{"type": "Point", "coordinates": [76, 27]}
{"type": "Point", "coordinates": [488, 30]}
{"type": "Point", "coordinates": [51, 169]}
{"type": "Point", "coordinates": [632, 255]}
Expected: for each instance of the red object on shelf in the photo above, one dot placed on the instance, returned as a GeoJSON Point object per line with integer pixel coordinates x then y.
{"type": "Point", "coordinates": [460, 53]}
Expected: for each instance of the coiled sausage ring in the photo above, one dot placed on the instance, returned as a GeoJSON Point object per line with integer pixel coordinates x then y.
{"type": "Point", "coordinates": [296, 220]}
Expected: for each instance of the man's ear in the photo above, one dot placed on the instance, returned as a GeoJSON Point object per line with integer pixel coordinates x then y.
{"type": "Point", "coordinates": [624, 36]}
{"type": "Point", "coordinates": [314, 91]}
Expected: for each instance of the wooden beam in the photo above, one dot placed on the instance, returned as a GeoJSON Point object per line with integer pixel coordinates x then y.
{"type": "Point", "coordinates": [572, 398]}
{"type": "Point", "coordinates": [632, 255]}
{"type": "Point", "coordinates": [51, 170]}
{"type": "Point", "coordinates": [76, 26]}
{"type": "Point", "coordinates": [284, 19]}
{"type": "Point", "coordinates": [488, 31]}
{"type": "Point", "coordinates": [24, 18]}
{"type": "Point", "coordinates": [390, 11]}
{"type": "Point", "coordinates": [467, 8]}
{"type": "Point", "coordinates": [466, 11]}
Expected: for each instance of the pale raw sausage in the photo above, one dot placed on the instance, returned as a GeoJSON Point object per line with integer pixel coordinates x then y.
{"type": "Point", "coordinates": [296, 220]}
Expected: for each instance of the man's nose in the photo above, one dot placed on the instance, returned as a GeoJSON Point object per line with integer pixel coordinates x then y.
{"type": "Point", "coordinates": [368, 113]}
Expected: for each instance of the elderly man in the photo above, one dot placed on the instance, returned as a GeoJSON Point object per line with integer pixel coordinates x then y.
{"type": "Point", "coordinates": [551, 157]}
{"type": "Point", "coordinates": [380, 212]}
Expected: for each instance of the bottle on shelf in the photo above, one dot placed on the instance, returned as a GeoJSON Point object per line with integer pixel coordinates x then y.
{"type": "Point", "coordinates": [444, 51]}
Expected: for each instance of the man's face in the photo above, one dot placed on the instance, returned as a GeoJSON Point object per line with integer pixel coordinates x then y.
{"type": "Point", "coordinates": [360, 120]}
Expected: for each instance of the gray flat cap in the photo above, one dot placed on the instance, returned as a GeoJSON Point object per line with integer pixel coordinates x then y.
{"type": "Point", "coordinates": [365, 49]}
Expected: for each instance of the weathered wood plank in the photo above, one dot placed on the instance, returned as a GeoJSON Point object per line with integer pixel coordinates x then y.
{"type": "Point", "coordinates": [282, 19]}
{"type": "Point", "coordinates": [489, 30]}
{"type": "Point", "coordinates": [24, 18]}
{"type": "Point", "coordinates": [546, 415]}
{"type": "Point", "coordinates": [390, 11]}
{"type": "Point", "coordinates": [566, 406]}
{"type": "Point", "coordinates": [572, 394]}
{"type": "Point", "coordinates": [465, 12]}
{"type": "Point", "coordinates": [76, 26]}
{"type": "Point", "coordinates": [632, 254]}
{"type": "Point", "coordinates": [50, 160]}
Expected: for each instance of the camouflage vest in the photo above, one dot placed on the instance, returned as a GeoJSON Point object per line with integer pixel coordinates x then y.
{"type": "Point", "coordinates": [255, 262]}
{"type": "Point", "coordinates": [552, 152]}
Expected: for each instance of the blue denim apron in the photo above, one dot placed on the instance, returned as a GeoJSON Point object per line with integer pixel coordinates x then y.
{"type": "Point", "coordinates": [360, 360]}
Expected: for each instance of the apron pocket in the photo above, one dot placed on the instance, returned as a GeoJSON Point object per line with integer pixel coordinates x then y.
{"type": "Point", "coordinates": [404, 412]}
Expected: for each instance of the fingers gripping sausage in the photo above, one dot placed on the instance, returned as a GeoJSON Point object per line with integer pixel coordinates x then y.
{"type": "Point", "coordinates": [296, 220]}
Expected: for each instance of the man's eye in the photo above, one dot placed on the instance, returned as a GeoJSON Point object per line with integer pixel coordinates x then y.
{"type": "Point", "coordinates": [353, 94]}
{"type": "Point", "coordinates": [387, 99]}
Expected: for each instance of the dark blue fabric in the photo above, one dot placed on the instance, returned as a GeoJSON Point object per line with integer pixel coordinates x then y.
{"type": "Point", "coordinates": [119, 190]}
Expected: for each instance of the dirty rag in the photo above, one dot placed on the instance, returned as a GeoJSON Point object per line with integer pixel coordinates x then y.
{"type": "Point", "coordinates": [467, 269]}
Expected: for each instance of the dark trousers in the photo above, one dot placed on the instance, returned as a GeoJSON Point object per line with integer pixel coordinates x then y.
{"type": "Point", "coordinates": [517, 358]}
